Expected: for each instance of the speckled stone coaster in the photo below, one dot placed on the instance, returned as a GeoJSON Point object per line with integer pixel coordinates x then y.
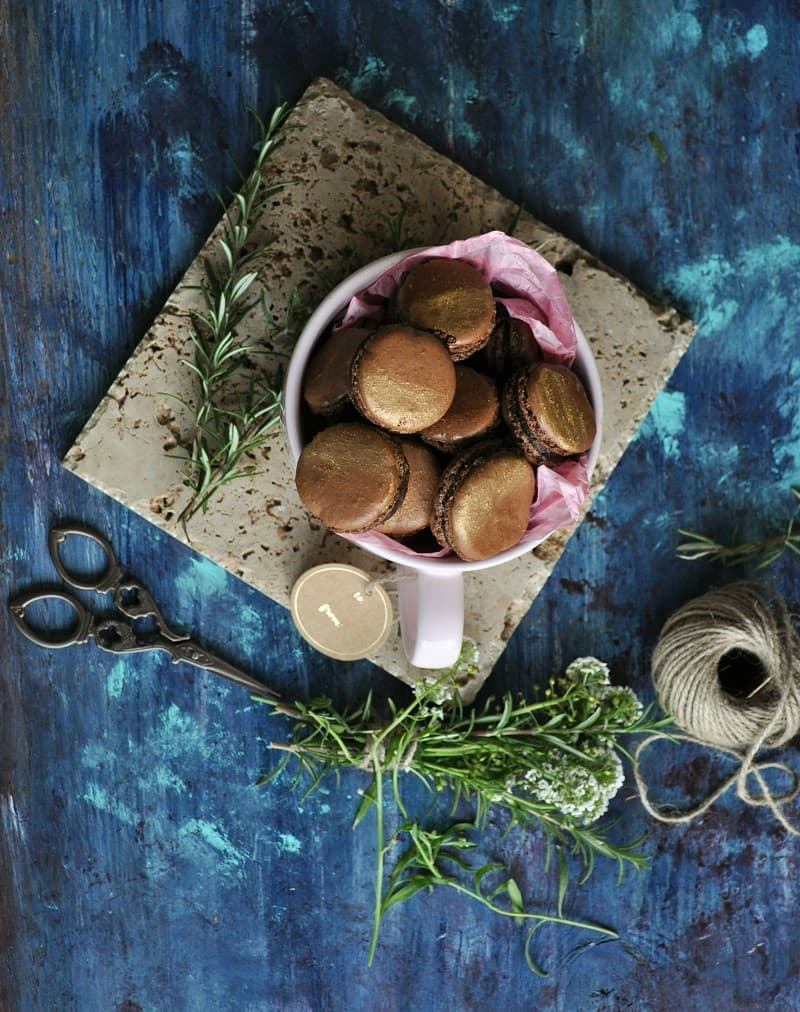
{"type": "Point", "coordinates": [353, 171]}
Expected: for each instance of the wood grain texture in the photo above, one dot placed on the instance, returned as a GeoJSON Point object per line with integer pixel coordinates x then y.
{"type": "Point", "coordinates": [141, 869]}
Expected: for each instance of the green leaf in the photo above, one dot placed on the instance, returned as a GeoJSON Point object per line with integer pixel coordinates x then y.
{"type": "Point", "coordinates": [481, 874]}
{"type": "Point", "coordinates": [514, 894]}
{"type": "Point", "coordinates": [242, 285]}
{"type": "Point", "coordinates": [563, 880]}
{"type": "Point", "coordinates": [528, 957]}
{"type": "Point", "coordinates": [658, 146]}
{"type": "Point", "coordinates": [367, 801]}
{"type": "Point", "coordinates": [408, 888]}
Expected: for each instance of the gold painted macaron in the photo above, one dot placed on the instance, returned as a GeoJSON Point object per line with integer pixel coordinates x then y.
{"type": "Point", "coordinates": [326, 382]}
{"type": "Point", "coordinates": [548, 411]}
{"type": "Point", "coordinates": [452, 299]}
{"type": "Point", "coordinates": [474, 413]}
{"type": "Point", "coordinates": [416, 510]}
{"type": "Point", "coordinates": [402, 379]}
{"type": "Point", "coordinates": [484, 501]}
{"type": "Point", "coordinates": [352, 477]}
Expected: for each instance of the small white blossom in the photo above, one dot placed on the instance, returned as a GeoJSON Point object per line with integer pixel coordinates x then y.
{"type": "Point", "coordinates": [468, 664]}
{"type": "Point", "coordinates": [624, 701]}
{"type": "Point", "coordinates": [437, 690]}
{"type": "Point", "coordinates": [589, 671]}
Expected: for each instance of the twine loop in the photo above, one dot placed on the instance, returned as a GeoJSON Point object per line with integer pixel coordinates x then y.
{"type": "Point", "coordinates": [727, 669]}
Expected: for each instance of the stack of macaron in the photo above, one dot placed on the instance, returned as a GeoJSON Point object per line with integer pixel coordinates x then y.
{"type": "Point", "coordinates": [435, 421]}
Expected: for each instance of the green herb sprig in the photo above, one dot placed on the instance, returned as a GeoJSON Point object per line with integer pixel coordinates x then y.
{"type": "Point", "coordinates": [767, 550]}
{"type": "Point", "coordinates": [553, 764]}
{"type": "Point", "coordinates": [237, 407]}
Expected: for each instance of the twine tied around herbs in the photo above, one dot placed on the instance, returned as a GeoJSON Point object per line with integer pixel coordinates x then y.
{"type": "Point", "coordinates": [727, 669]}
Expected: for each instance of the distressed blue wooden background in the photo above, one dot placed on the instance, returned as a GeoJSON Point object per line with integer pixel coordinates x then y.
{"type": "Point", "coordinates": [140, 868]}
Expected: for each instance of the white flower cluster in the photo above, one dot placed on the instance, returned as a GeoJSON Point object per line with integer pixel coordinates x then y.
{"type": "Point", "coordinates": [589, 670]}
{"type": "Point", "coordinates": [468, 664]}
{"type": "Point", "coordinates": [583, 788]}
{"type": "Point", "coordinates": [594, 675]}
{"type": "Point", "coordinates": [433, 694]}
{"type": "Point", "coordinates": [580, 791]}
{"type": "Point", "coordinates": [437, 690]}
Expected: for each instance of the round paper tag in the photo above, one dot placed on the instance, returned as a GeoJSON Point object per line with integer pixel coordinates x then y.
{"type": "Point", "coordinates": [336, 613]}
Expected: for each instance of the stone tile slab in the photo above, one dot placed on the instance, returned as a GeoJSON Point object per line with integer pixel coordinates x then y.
{"type": "Point", "coordinates": [352, 172]}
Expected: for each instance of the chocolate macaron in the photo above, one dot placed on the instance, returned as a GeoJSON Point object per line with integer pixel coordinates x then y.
{"type": "Point", "coordinates": [326, 382]}
{"type": "Point", "coordinates": [452, 299]}
{"type": "Point", "coordinates": [511, 346]}
{"type": "Point", "coordinates": [474, 413]}
{"type": "Point", "coordinates": [548, 412]}
{"type": "Point", "coordinates": [402, 379]}
{"type": "Point", "coordinates": [484, 501]}
{"type": "Point", "coordinates": [352, 477]}
{"type": "Point", "coordinates": [416, 511]}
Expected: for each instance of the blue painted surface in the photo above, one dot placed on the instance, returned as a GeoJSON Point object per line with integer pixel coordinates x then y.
{"type": "Point", "coordinates": [140, 868]}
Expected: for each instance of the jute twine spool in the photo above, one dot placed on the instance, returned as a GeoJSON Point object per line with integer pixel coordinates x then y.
{"type": "Point", "coordinates": [727, 669]}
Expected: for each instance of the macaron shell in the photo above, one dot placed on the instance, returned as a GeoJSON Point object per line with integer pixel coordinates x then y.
{"type": "Point", "coordinates": [352, 477]}
{"type": "Point", "coordinates": [511, 346]}
{"type": "Point", "coordinates": [511, 405]}
{"type": "Point", "coordinates": [451, 298]}
{"type": "Point", "coordinates": [326, 382]}
{"type": "Point", "coordinates": [558, 404]}
{"type": "Point", "coordinates": [523, 348]}
{"type": "Point", "coordinates": [415, 512]}
{"type": "Point", "coordinates": [475, 411]}
{"type": "Point", "coordinates": [402, 379]}
{"type": "Point", "coordinates": [484, 501]}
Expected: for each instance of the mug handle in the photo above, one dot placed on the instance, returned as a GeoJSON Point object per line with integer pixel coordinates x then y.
{"type": "Point", "coordinates": [431, 617]}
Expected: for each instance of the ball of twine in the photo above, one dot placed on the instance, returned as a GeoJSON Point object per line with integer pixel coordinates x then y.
{"type": "Point", "coordinates": [748, 625]}
{"type": "Point", "coordinates": [743, 618]}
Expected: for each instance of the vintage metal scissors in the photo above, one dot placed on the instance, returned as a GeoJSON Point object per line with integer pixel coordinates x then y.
{"type": "Point", "coordinates": [126, 634]}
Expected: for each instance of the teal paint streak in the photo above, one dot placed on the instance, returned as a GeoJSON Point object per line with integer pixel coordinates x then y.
{"type": "Point", "coordinates": [370, 84]}
{"type": "Point", "coordinates": [398, 99]}
{"type": "Point", "coordinates": [145, 774]}
{"type": "Point", "coordinates": [506, 14]}
{"type": "Point", "coordinates": [287, 843]}
{"type": "Point", "coordinates": [667, 421]}
{"type": "Point", "coordinates": [742, 302]}
{"type": "Point", "coordinates": [203, 842]}
{"type": "Point", "coordinates": [201, 578]}
{"type": "Point", "coordinates": [177, 735]}
{"type": "Point", "coordinates": [730, 42]}
{"type": "Point", "coordinates": [680, 32]}
{"type": "Point", "coordinates": [787, 446]}
{"type": "Point", "coordinates": [727, 466]}
{"type": "Point", "coordinates": [756, 41]}
{"type": "Point", "coordinates": [707, 284]}
{"type": "Point", "coordinates": [166, 780]}
{"type": "Point", "coordinates": [117, 678]}
{"type": "Point", "coordinates": [98, 797]}
{"type": "Point", "coordinates": [373, 71]}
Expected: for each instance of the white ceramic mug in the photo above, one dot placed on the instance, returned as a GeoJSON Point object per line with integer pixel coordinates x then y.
{"type": "Point", "coordinates": [432, 605]}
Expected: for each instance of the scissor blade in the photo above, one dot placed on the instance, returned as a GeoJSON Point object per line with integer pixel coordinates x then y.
{"type": "Point", "coordinates": [189, 651]}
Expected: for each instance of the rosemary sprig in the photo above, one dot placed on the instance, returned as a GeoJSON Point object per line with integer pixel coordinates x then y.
{"type": "Point", "coordinates": [237, 408]}
{"type": "Point", "coordinates": [769, 550]}
{"type": "Point", "coordinates": [436, 858]}
{"type": "Point", "coordinates": [551, 764]}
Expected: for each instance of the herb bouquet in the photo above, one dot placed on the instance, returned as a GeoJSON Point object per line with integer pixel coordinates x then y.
{"type": "Point", "coordinates": [553, 764]}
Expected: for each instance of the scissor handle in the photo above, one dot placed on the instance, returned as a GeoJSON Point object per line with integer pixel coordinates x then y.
{"type": "Point", "coordinates": [80, 634]}
{"type": "Point", "coordinates": [108, 579]}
